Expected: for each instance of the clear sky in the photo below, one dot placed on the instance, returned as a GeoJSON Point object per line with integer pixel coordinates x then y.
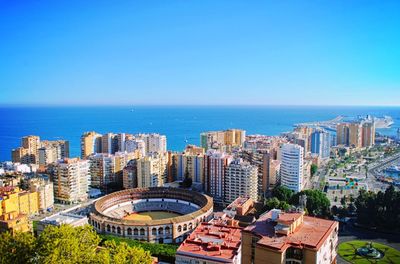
{"type": "Point", "coordinates": [200, 52]}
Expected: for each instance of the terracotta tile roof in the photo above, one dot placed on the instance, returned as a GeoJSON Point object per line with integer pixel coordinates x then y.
{"type": "Point", "coordinates": [310, 234]}
{"type": "Point", "coordinates": [212, 241]}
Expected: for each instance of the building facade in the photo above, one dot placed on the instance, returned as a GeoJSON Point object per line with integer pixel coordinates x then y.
{"type": "Point", "coordinates": [152, 170]}
{"type": "Point", "coordinates": [214, 166]}
{"type": "Point", "coordinates": [281, 238]}
{"type": "Point", "coordinates": [321, 143]}
{"type": "Point", "coordinates": [291, 169]}
{"type": "Point", "coordinates": [241, 179]}
{"type": "Point", "coordinates": [71, 180]}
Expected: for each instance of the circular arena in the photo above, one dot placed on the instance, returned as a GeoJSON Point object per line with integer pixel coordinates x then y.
{"type": "Point", "coordinates": [157, 214]}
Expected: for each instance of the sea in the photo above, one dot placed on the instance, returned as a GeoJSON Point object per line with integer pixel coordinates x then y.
{"type": "Point", "coordinates": [181, 124]}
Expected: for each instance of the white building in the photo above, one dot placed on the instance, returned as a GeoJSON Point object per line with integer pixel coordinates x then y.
{"type": "Point", "coordinates": [102, 169]}
{"type": "Point", "coordinates": [291, 157]}
{"type": "Point", "coordinates": [131, 145]}
{"type": "Point", "coordinates": [154, 142]}
{"type": "Point", "coordinates": [45, 191]}
{"type": "Point", "coordinates": [71, 180]}
{"type": "Point", "coordinates": [241, 179]}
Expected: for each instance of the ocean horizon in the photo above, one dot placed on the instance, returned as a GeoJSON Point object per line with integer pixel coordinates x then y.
{"type": "Point", "coordinates": [181, 124]}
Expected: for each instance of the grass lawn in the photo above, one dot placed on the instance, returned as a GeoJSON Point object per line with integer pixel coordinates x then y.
{"type": "Point", "coordinates": [347, 251]}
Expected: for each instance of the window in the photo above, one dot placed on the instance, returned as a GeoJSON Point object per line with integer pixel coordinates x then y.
{"type": "Point", "coordinates": [119, 230]}
{"type": "Point", "coordinates": [129, 231]}
{"type": "Point", "coordinates": [154, 231]}
{"type": "Point", "coordinates": [108, 228]}
{"type": "Point", "coordinates": [294, 253]}
{"type": "Point", "coordinates": [179, 228]}
{"type": "Point", "coordinates": [160, 231]}
{"type": "Point", "coordinates": [135, 231]}
{"type": "Point", "coordinates": [142, 232]}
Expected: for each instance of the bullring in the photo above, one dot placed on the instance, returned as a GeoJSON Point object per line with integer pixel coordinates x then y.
{"type": "Point", "coordinates": [157, 214]}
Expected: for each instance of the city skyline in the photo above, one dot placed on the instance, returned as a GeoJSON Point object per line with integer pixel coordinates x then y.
{"type": "Point", "coordinates": [208, 53]}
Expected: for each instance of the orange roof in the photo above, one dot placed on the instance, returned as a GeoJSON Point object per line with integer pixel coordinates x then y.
{"type": "Point", "coordinates": [310, 234]}
{"type": "Point", "coordinates": [212, 241]}
{"type": "Point", "coordinates": [288, 218]}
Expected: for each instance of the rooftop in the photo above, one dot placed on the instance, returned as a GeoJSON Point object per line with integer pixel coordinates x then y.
{"type": "Point", "coordinates": [311, 233]}
{"type": "Point", "coordinates": [240, 201]}
{"type": "Point", "coordinates": [63, 218]}
{"type": "Point", "coordinates": [215, 241]}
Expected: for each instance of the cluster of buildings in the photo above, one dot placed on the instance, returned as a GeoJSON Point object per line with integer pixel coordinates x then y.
{"type": "Point", "coordinates": [358, 134]}
{"type": "Point", "coordinates": [276, 237]}
{"type": "Point", "coordinates": [234, 169]}
{"type": "Point", "coordinates": [35, 151]}
{"type": "Point", "coordinates": [17, 205]}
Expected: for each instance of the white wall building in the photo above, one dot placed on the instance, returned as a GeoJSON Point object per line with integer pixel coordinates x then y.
{"type": "Point", "coordinates": [291, 157]}
{"type": "Point", "coordinates": [71, 180]}
{"type": "Point", "coordinates": [241, 179]}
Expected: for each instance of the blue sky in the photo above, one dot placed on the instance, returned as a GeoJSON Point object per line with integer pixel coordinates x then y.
{"type": "Point", "coordinates": [200, 52]}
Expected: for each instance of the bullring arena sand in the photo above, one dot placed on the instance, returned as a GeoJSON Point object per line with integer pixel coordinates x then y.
{"type": "Point", "coordinates": [154, 215]}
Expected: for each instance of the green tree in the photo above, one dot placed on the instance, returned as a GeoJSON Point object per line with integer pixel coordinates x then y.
{"type": "Point", "coordinates": [66, 244]}
{"type": "Point", "coordinates": [282, 193]}
{"type": "Point", "coordinates": [317, 202]}
{"type": "Point", "coordinates": [19, 248]}
{"type": "Point", "coordinates": [123, 254]}
{"type": "Point", "coordinates": [272, 203]}
{"type": "Point", "coordinates": [314, 169]}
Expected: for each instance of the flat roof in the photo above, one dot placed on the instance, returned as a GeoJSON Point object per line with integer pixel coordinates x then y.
{"type": "Point", "coordinates": [213, 241]}
{"type": "Point", "coordinates": [310, 234]}
{"type": "Point", "coordinates": [63, 218]}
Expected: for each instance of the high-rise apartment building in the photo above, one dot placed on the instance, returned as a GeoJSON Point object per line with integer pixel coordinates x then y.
{"type": "Point", "coordinates": [349, 134]}
{"type": "Point", "coordinates": [259, 158]}
{"type": "Point", "coordinates": [107, 143]}
{"type": "Point", "coordinates": [292, 158]}
{"type": "Point", "coordinates": [28, 153]}
{"type": "Point", "coordinates": [135, 144]}
{"type": "Point", "coordinates": [102, 170]}
{"type": "Point", "coordinates": [152, 170]}
{"type": "Point", "coordinates": [321, 143]}
{"type": "Point", "coordinates": [355, 137]}
{"type": "Point", "coordinates": [90, 144]}
{"type": "Point", "coordinates": [274, 175]}
{"type": "Point", "coordinates": [129, 178]}
{"type": "Point", "coordinates": [154, 142]}
{"type": "Point", "coordinates": [71, 180]}
{"type": "Point", "coordinates": [368, 134]}
{"type": "Point", "coordinates": [189, 165]}
{"type": "Point", "coordinates": [241, 179]}
{"type": "Point", "coordinates": [215, 164]}
{"type": "Point", "coordinates": [106, 169]}
{"type": "Point", "coordinates": [51, 151]}
{"type": "Point", "coordinates": [342, 134]}
{"type": "Point", "coordinates": [222, 140]}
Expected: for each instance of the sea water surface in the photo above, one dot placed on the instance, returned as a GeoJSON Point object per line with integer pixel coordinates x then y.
{"type": "Point", "coordinates": [181, 124]}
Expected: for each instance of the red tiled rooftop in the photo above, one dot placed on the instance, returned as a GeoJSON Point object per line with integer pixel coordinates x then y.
{"type": "Point", "coordinates": [238, 202]}
{"type": "Point", "coordinates": [288, 218]}
{"type": "Point", "coordinates": [212, 241]}
{"type": "Point", "coordinates": [311, 233]}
